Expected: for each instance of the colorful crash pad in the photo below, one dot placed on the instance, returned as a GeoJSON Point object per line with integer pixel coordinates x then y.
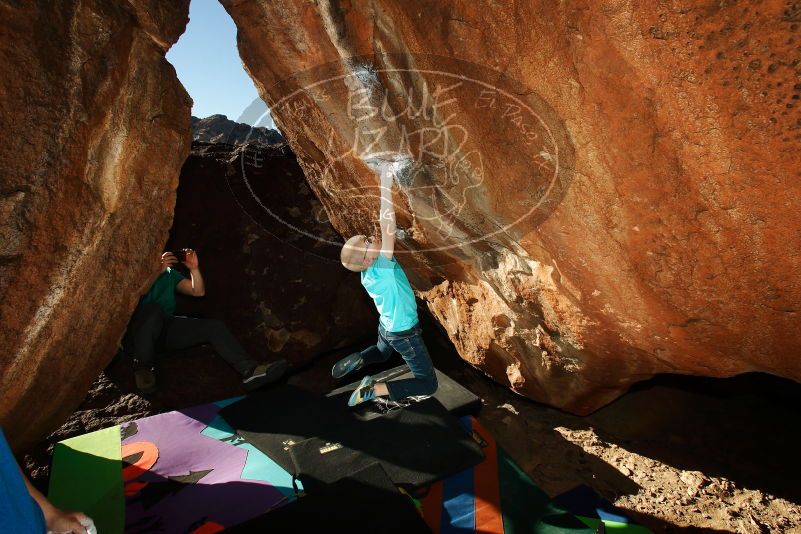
{"type": "Point", "coordinates": [180, 471]}
{"type": "Point", "coordinates": [592, 509]}
{"type": "Point", "coordinates": [187, 471]}
{"type": "Point", "coordinates": [494, 497]}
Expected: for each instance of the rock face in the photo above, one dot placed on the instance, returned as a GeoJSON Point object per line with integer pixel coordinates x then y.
{"type": "Point", "coordinates": [218, 129]}
{"type": "Point", "coordinates": [248, 211]}
{"type": "Point", "coordinates": [97, 130]}
{"type": "Point", "coordinates": [598, 192]}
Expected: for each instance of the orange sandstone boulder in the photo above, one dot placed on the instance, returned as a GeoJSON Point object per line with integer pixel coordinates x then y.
{"type": "Point", "coordinates": [596, 191]}
{"type": "Point", "coordinates": [96, 128]}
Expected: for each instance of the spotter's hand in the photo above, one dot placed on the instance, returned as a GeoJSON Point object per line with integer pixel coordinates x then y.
{"type": "Point", "coordinates": [191, 260]}
{"type": "Point", "coordinates": [168, 259]}
{"type": "Point", "coordinates": [62, 522]}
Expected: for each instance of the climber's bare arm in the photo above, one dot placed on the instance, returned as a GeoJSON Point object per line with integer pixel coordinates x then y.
{"type": "Point", "coordinates": [387, 215]}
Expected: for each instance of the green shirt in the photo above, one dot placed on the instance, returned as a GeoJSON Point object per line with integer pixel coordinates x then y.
{"type": "Point", "coordinates": [162, 292]}
{"type": "Point", "coordinates": [389, 288]}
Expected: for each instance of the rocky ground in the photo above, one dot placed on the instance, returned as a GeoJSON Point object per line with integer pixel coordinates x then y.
{"type": "Point", "coordinates": [671, 454]}
{"type": "Point", "coordinates": [676, 453]}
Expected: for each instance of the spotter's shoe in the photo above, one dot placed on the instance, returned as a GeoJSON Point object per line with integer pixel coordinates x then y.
{"type": "Point", "coordinates": [347, 365]}
{"type": "Point", "coordinates": [145, 380]}
{"type": "Point", "coordinates": [364, 392]}
{"type": "Point", "coordinates": [264, 374]}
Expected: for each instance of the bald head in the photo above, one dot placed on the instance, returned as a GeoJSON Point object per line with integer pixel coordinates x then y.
{"type": "Point", "coordinates": [353, 254]}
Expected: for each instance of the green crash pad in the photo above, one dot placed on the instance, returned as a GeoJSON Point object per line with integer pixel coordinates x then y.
{"type": "Point", "coordinates": [95, 460]}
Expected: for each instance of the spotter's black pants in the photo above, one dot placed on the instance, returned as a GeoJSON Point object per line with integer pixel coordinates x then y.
{"type": "Point", "coordinates": [152, 331]}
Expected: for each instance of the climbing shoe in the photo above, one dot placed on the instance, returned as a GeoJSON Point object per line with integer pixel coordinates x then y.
{"type": "Point", "coordinates": [145, 380]}
{"type": "Point", "coordinates": [347, 365]}
{"type": "Point", "coordinates": [264, 374]}
{"type": "Point", "coordinates": [364, 392]}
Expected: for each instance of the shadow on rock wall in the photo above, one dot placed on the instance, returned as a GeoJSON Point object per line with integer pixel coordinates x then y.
{"type": "Point", "coordinates": [246, 211]}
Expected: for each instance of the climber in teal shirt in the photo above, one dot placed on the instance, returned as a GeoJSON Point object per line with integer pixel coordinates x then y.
{"type": "Point", "coordinates": [398, 326]}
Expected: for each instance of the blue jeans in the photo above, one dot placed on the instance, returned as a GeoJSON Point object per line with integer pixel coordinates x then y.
{"type": "Point", "coordinates": [410, 345]}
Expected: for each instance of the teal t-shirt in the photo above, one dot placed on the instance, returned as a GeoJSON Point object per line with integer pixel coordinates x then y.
{"type": "Point", "coordinates": [387, 285]}
{"type": "Point", "coordinates": [162, 292]}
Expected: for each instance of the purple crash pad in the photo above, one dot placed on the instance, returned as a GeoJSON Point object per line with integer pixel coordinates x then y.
{"type": "Point", "coordinates": [196, 483]}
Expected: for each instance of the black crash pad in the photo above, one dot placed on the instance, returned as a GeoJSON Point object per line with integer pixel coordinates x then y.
{"type": "Point", "coordinates": [416, 445]}
{"type": "Point", "coordinates": [364, 501]}
{"type": "Point", "coordinates": [452, 395]}
{"type": "Point", "coordinates": [274, 419]}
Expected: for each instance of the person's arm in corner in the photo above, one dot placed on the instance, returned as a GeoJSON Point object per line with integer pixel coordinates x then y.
{"type": "Point", "coordinates": [194, 286]}
{"type": "Point", "coordinates": [387, 215]}
{"type": "Point", "coordinates": [57, 520]}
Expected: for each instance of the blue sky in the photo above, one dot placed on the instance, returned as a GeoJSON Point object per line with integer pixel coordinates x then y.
{"type": "Point", "coordinates": [208, 65]}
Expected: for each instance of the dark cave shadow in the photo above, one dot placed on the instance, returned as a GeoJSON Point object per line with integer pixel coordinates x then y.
{"type": "Point", "coordinates": [184, 378]}
{"type": "Point", "coordinates": [660, 526]}
{"type": "Point", "coordinates": [745, 429]}
{"type": "Point", "coordinates": [602, 477]}
{"type": "Point", "coordinates": [358, 502]}
{"type": "Point", "coordinates": [213, 380]}
{"type": "Point", "coordinates": [198, 375]}
{"type": "Point", "coordinates": [417, 445]}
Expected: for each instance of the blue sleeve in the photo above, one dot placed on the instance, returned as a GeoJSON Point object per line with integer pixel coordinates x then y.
{"type": "Point", "coordinates": [19, 513]}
